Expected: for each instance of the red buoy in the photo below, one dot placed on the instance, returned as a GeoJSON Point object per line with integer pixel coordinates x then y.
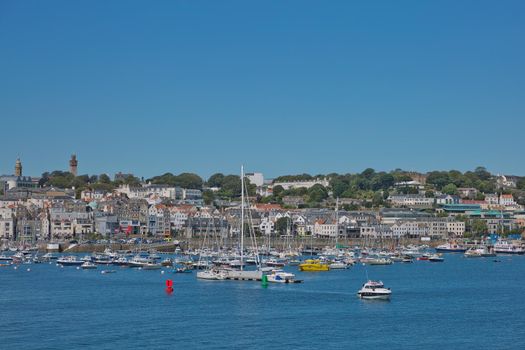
{"type": "Point", "coordinates": [169, 286]}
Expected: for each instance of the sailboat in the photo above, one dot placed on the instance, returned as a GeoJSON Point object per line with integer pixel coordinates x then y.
{"type": "Point", "coordinates": [237, 274]}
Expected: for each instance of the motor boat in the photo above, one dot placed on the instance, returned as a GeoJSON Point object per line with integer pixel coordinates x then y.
{"type": "Point", "coordinates": [436, 258]}
{"type": "Point", "coordinates": [376, 261]}
{"type": "Point", "coordinates": [338, 265]}
{"type": "Point", "coordinates": [374, 290]}
{"type": "Point", "coordinates": [69, 261]}
{"type": "Point", "coordinates": [88, 265]}
{"type": "Point", "coordinates": [313, 265]}
{"type": "Point", "coordinates": [212, 274]}
{"type": "Point", "coordinates": [450, 248]}
{"type": "Point", "coordinates": [280, 276]}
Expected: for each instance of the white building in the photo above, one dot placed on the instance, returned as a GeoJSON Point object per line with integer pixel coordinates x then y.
{"type": "Point", "coordinates": [256, 179]}
{"type": "Point", "coordinates": [507, 200]}
{"type": "Point", "coordinates": [267, 226]}
{"type": "Point", "coordinates": [306, 184]}
{"type": "Point", "coordinates": [411, 200]}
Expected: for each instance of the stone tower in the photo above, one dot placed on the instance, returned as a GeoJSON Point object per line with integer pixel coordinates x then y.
{"type": "Point", "coordinates": [73, 163]}
{"type": "Point", "coordinates": [18, 167]}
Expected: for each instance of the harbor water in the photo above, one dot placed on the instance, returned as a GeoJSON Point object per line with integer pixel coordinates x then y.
{"type": "Point", "coordinates": [459, 303]}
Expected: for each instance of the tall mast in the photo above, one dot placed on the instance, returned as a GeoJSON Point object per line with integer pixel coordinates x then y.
{"type": "Point", "coordinates": [242, 215]}
{"type": "Point", "coordinates": [336, 221]}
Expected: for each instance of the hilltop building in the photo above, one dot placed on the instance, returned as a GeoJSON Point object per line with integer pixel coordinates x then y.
{"type": "Point", "coordinates": [73, 164]}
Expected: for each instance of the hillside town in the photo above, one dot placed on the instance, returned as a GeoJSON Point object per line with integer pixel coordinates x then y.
{"type": "Point", "coordinates": [402, 205]}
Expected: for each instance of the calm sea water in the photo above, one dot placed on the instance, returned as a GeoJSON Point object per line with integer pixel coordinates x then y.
{"type": "Point", "coordinates": [461, 303]}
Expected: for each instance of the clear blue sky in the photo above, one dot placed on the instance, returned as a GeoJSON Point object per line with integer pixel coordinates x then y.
{"type": "Point", "coordinates": [281, 86]}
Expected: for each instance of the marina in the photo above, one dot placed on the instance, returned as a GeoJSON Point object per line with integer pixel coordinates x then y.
{"type": "Point", "coordinates": [428, 298]}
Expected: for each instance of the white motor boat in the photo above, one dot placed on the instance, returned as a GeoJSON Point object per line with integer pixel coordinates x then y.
{"type": "Point", "coordinates": [374, 290]}
{"type": "Point", "coordinates": [88, 265]}
{"type": "Point", "coordinates": [69, 261]}
{"type": "Point", "coordinates": [212, 274]}
{"type": "Point", "coordinates": [338, 265]}
{"type": "Point", "coordinates": [280, 276]}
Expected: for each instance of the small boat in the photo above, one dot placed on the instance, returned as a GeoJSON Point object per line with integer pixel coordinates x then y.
{"type": "Point", "coordinates": [107, 271]}
{"type": "Point", "coordinates": [88, 265]}
{"type": "Point", "coordinates": [5, 258]}
{"type": "Point", "coordinates": [407, 259]}
{"type": "Point", "coordinates": [280, 276]}
{"type": "Point", "coordinates": [275, 263]}
{"type": "Point", "coordinates": [423, 258]}
{"type": "Point", "coordinates": [338, 265]}
{"type": "Point", "coordinates": [167, 262]}
{"type": "Point", "coordinates": [436, 258]}
{"type": "Point", "coordinates": [312, 265]}
{"type": "Point", "coordinates": [473, 253]}
{"type": "Point", "coordinates": [374, 290]}
{"type": "Point", "coordinates": [182, 270]}
{"type": "Point", "coordinates": [151, 266]}
{"type": "Point", "coordinates": [122, 261]}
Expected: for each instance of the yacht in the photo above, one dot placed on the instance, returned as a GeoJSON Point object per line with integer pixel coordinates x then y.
{"type": "Point", "coordinates": [280, 276]}
{"type": "Point", "coordinates": [376, 261]}
{"type": "Point", "coordinates": [506, 247]}
{"type": "Point", "coordinates": [69, 261]}
{"type": "Point", "coordinates": [212, 274]}
{"type": "Point", "coordinates": [139, 261]}
{"type": "Point", "coordinates": [450, 248]}
{"type": "Point", "coordinates": [374, 290]}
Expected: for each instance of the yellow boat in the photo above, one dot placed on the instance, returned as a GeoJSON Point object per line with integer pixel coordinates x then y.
{"type": "Point", "coordinates": [313, 265]}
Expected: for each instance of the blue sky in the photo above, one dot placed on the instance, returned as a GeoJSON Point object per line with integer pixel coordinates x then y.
{"type": "Point", "coordinates": [281, 86]}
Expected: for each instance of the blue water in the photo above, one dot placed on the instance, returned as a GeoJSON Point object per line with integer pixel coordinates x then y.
{"type": "Point", "coordinates": [461, 303]}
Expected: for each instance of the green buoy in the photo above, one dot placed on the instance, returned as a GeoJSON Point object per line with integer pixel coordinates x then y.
{"type": "Point", "coordinates": [264, 281]}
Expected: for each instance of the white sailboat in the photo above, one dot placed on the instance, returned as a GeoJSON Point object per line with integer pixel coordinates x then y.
{"type": "Point", "coordinates": [236, 274]}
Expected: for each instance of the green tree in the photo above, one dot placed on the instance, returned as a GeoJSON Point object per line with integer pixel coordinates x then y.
{"type": "Point", "coordinates": [231, 186]}
{"type": "Point", "coordinates": [317, 193]}
{"type": "Point", "coordinates": [479, 227]}
{"type": "Point", "coordinates": [208, 196]}
{"type": "Point", "coordinates": [278, 190]}
{"type": "Point", "coordinates": [281, 225]}
{"type": "Point", "coordinates": [104, 179]}
{"type": "Point", "coordinates": [215, 180]}
{"type": "Point", "coordinates": [450, 189]}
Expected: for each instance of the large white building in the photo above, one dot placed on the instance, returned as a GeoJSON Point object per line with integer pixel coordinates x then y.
{"type": "Point", "coordinates": [256, 179]}
{"type": "Point", "coordinates": [306, 184]}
